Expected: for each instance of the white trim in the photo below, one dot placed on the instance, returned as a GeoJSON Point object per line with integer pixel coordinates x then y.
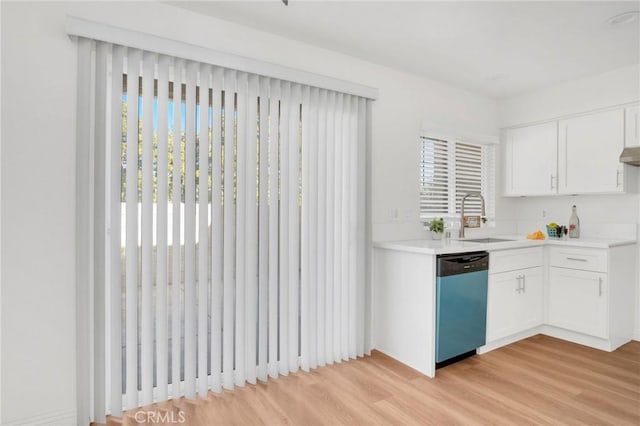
{"type": "Point", "coordinates": [84, 237]}
{"type": "Point", "coordinates": [435, 131]}
{"type": "Point", "coordinates": [368, 232]}
{"type": "Point", "coordinates": [0, 235]}
{"type": "Point", "coordinates": [495, 344]}
{"type": "Point", "coordinates": [58, 418]}
{"type": "Point", "coordinates": [557, 332]}
{"type": "Point", "coordinates": [582, 339]}
{"type": "Point", "coordinates": [99, 31]}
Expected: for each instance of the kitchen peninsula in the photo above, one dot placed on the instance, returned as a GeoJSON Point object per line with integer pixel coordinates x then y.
{"type": "Point", "coordinates": [561, 288]}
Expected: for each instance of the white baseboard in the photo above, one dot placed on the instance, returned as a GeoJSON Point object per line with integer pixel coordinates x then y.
{"type": "Point", "coordinates": [548, 330]}
{"type": "Point", "coordinates": [57, 418]}
{"type": "Point", "coordinates": [508, 340]}
{"type": "Point", "coordinates": [579, 338]}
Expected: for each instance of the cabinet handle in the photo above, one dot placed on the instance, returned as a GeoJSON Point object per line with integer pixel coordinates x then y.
{"type": "Point", "coordinates": [551, 181]}
{"type": "Point", "coordinates": [577, 259]}
{"type": "Point", "coordinates": [524, 283]}
{"type": "Point", "coordinates": [519, 289]}
{"type": "Point", "coordinates": [600, 286]}
{"type": "Point", "coordinates": [566, 154]}
{"type": "Point", "coordinates": [617, 178]}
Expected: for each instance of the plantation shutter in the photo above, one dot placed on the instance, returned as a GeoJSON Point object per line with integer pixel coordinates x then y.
{"type": "Point", "coordinates": [450, 169]}
{"type": "Point", "coordinates": [434, 177]}
{"type": "Point", "coordinates": [468, 176]}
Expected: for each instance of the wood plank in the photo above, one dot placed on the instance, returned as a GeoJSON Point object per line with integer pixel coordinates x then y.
{"type": "Point", "coordinates": [539, 380]}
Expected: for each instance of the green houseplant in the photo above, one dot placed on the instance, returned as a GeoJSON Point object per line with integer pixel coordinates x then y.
{"type": "Point", "coordinates": [436, 226]}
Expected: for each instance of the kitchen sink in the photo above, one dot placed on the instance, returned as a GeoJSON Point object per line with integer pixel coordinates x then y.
{"type": "Point", "coordinates": [487, 240]}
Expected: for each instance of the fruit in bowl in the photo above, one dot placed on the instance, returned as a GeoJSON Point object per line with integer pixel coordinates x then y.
{"type": "Point", "coordinates": [555, 230]}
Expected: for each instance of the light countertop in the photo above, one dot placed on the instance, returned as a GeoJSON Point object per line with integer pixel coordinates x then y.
{"type": "Point", "coordinates": [518, 241]}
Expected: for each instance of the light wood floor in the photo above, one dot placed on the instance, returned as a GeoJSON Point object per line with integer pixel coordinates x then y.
{"type": "Point", "coordinates": [540, 380]}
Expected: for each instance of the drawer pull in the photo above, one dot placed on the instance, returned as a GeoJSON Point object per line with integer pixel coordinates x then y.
{"type": "Point", "coordinates": [577, 259]}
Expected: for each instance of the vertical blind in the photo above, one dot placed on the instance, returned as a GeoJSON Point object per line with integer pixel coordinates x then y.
{"type": "Point", "coordinates": [450, 169]}
{"type": "Point", "coordinates": [228, 223]}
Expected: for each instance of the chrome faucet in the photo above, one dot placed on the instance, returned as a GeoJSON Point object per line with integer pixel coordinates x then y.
{"type": "Point", "coordinates": [464, 197]}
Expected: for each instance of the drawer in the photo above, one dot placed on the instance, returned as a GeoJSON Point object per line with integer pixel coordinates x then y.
{"type": "Point", "coordinates": [578, 258]}
{"type": "Point", "coordinates": [510, 260]}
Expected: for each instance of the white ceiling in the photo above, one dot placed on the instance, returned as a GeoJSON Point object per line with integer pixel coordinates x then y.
{"type": "Point", "coordinates": [496, 48]}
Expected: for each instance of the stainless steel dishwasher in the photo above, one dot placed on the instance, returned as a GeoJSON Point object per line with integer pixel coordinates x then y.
{"type": "Point", "coordinates": [461, 305]}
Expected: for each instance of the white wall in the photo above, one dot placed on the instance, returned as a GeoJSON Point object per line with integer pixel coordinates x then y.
{"type": "Point", "coordinates": [38, 168]}
{"type": "Point", "coordinates": [38, 222]}
{"type": "Point", "coordinates": [600, 91]}
{"type": "Point", "coordinates": [596, 212]}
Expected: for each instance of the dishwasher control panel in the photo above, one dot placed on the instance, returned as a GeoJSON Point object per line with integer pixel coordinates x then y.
{"type": "Point", "coordinates": [460, 263]}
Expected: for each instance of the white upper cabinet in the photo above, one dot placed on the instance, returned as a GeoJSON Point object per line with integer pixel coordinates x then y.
{"type": "Point", "coordinates": [589, 147]}
{"type": "Point", "coordinates": [632, 126]}
{"type": "Point", "coordinates": [531, 160]}
{"type": "Point", "coordinates": [578, 155]}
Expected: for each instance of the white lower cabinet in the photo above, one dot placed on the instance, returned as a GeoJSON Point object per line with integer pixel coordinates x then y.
{"type": "Point", "coordinates": [514, 302]}
{"type": "Point", "coordinates": [515, 293]}
{"type": "Point", "coordinates": [585, 295]}
{"type": "Point", "coordinates": [531, 299]}
{"type": "Point", "coordinates": [578, 301]}
{"type": "Point", "coordinates": [590, 295]}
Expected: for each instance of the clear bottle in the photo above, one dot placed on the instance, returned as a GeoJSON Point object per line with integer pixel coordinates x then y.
{"type": "Point", "coordinates": [574, 224]}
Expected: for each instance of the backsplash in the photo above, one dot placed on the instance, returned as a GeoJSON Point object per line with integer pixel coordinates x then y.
{"type": "Point", "coordinates": [606, 216]}
{"type": "Point", "coordinates": [622, 231]}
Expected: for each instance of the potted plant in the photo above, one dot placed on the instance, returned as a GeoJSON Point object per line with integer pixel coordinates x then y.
{"type": "Point", "coordinates": [436, 226]}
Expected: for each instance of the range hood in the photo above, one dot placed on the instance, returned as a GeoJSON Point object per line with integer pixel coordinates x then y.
{"type": "Point", "coordinates": [631, 155]}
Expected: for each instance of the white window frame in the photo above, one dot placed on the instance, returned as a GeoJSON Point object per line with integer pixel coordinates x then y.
{"type": "Point", "coordinates": [487, 178]}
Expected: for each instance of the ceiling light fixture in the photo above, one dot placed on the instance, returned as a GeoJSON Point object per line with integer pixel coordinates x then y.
{"type": "Point", "coordinates": [624, 18]}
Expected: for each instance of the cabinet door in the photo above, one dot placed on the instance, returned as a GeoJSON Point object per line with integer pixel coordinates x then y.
{"type": "Point", "coordinates": [531, 160]}
{"type": "Point", "coordinates": [501, 304]}
{"type": "Point", "coordinates": [588, 153]}
{"type": "Point", "coordinates": [577, 301]}
{"type": "Point", "coordinates": [632, 126]}
{"type": "Point", "coordinates": [529, 306]}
